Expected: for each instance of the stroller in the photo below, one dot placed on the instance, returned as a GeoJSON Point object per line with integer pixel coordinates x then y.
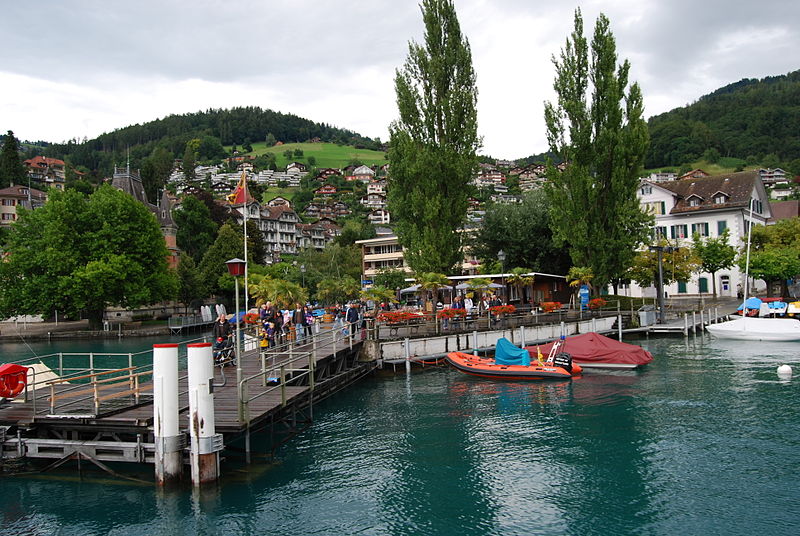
{"type": "Point", "coordinates": [223, 352]}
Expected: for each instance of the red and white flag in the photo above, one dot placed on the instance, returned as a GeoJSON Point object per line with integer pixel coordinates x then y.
{"type": "Point", "coordinates": [240, 195]}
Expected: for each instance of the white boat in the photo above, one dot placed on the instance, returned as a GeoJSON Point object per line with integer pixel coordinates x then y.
{"type": "Point", "coordinates": [757, 329]}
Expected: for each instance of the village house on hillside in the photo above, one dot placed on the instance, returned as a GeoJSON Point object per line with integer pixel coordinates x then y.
{"type": "Point", "coordinates": [18, 196]}
{"type": "Point", "coordinates": [361, 173]}
{"type": "Point", "coordinates": [47, 172]}
{"type": "Point", "coordinates": [283, 231]}
{"type": "Point", "coordinates": [707, 206]}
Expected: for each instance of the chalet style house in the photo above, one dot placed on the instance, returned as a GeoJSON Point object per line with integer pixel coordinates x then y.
{"type": "Point", "coordinates": [46, 172]}
{"type": "Point", "coordinates": [707, 206]}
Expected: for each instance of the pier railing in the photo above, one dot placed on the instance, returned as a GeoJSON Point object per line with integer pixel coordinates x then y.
{"type": "Point", "coordinates": [290, 361]}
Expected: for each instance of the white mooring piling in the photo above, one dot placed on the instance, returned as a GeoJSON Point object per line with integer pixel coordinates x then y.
{"type": "Point", "coordinates": [205, 443]}
{"type": "Point", "coordinates": [168, 440]}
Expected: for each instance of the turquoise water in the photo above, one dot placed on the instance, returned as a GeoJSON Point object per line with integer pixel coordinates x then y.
{"type": "Point", "coordinates": [702, 441]}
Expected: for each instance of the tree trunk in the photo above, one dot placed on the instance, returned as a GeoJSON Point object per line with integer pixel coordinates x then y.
{"type": "Point", "coordinates": [95, 317]}
{"type": "Point", "coordinates": [714, 284]}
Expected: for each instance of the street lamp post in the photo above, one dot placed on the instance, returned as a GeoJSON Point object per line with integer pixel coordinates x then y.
{"type": "Point", "coordinates": [501, 256]}
{"type": "Point", "coordinates": [303, 275]}
{"type": "Point", "coordinates": [660, 287]}
{"type": "Point", "coordinates": [236, 269]}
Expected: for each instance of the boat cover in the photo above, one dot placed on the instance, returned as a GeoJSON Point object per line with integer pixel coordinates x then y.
{"type": "Point", "coordinates": [751, 303]}
{"type": "Point", "coordinates": [595, 348]}
{"type": "Point", "coordinates": [505, 353]}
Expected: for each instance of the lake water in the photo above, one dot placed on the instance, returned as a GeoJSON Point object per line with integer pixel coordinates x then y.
{"type": "Point", "coordinates": [704, 440]}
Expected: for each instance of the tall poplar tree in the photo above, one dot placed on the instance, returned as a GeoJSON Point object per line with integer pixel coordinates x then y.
{"type": "Point", "coordinates": [11, 168]}
{"type": "Point", "coordinates": [597, 129]}
{"type": "Point", "coordinates": [433, 144]}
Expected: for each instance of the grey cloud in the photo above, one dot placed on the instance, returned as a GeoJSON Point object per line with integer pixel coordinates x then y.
{"type": "Point", "coordinates": [209, 40]}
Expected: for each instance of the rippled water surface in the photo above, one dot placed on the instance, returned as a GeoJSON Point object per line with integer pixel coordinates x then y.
{"type": "Point", "coordinates": [705, 440]}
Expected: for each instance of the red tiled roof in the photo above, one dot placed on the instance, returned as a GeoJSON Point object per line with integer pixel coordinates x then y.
{"type": "Point", "coordinates": [43, 161]}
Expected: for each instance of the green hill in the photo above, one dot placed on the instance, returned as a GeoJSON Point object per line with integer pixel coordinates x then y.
{"type": "Point", "coordinates": [749, 123]}
{"type": "Point", "coordinates": [215, 128]}
{"type": "Point", "coordinates": [326, 155]}
{"type": "Point", "coordinates": [749, 119]}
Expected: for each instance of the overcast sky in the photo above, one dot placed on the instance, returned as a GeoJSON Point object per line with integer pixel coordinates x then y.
{"type": "Point", "coordinates": [83, 67]}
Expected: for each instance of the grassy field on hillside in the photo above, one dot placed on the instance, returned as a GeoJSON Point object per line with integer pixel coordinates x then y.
{"type": "Point", "coordinates": [327, 154]}
{"type": "Point", "coordinates": [724, 165]}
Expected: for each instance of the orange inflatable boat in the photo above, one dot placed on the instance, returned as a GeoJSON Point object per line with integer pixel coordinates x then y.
{"type": "Point", "coordinates": [485, 367]}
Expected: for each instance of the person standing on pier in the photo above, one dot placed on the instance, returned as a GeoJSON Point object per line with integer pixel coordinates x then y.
{"type": "Point", "coordinates": [299, 321]}
{"type": "Point", "coordinates": [309, 321]}
{"type": "Point", "coordinates": [352, 318]}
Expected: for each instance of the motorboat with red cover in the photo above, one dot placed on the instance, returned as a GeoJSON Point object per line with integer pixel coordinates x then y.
{"type": "Point", "coordinates": [513, 363]}
{"type": "Point", "coordinates": [592, 350]}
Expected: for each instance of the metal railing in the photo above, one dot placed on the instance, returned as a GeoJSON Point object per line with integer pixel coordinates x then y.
{"type": "Point", "coordinates": [280, 361]}
{"type": "Point", "coordinates": [430, 324]}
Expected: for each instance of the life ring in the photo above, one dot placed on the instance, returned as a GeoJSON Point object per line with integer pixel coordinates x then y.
{"type": "Point", "coordinates": [13, 379]}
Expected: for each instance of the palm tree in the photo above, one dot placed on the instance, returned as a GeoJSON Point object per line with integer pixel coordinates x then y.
{"type": "Point", "coordinates": [478, 286]}
{"type": "Point", "coordinates": [431, 282]}
{"type": "Point", "coordinates": [283, 293]}
{"type": "Point", "coordinates": [379, 294]}
{"type": "Point", "coordinates": [519, 279]}
{"type": "Point", "coordinates": [337, 289]}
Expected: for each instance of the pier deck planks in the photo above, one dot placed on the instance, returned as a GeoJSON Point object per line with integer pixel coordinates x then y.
{"type": "Point", "coordinates": [141, 415]}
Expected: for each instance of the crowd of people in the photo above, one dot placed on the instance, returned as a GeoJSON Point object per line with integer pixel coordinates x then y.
{"type": "Point", "coordinates": [278, 326]}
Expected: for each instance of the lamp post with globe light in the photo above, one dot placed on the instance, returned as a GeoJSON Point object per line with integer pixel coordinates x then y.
{"type": "Point", "coordinates": [236, 269]}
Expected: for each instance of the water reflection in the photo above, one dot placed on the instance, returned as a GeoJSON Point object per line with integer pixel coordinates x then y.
{"type": "Point", "coordinates": [674, 448]}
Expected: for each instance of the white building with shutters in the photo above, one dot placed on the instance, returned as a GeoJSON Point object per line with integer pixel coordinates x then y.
{"type": "Point", "coordinates": [707, 206]}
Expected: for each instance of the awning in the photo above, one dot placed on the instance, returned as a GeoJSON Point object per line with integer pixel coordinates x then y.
{"type": "Point", "coordinates": [464, 286]}
{"type": "Point", "coordinates": [410, 290]}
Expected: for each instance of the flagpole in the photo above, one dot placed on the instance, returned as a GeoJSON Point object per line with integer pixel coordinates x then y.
{"type": "Point", "coordinates": [246, 208]}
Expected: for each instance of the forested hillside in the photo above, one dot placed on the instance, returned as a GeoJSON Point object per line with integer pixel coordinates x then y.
{"type": "Point", "coordinates": [214, 127]}
{"type": "Point", "coordinates": [749, 119]}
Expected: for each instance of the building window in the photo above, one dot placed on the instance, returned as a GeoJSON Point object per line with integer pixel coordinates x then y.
{"type": "Point", "coordinates": [678, 231]}
{"type": "Point", "coordinates": [660, 232]}
{"type": "Point", "coordinates": [7, 217]}
{"type": "Point", "coordinates": [647, 189]}
{"type": "Point", "coordinates": [721, 226]}
{"type": "Point", "coordinates": [702, 284]}
{"type": "Point", "coordinates": [8, 202]}
{"type": "Point", "coordinates": [694, 201]}
{"type": "Point", "coordinates": [700, 228]}
{"type": "Point", "coordinates": [757, 205]}
{"type": "Point", "coordinates": [681, 287]}
{"type": "Point", "coordinates": [720, 198]}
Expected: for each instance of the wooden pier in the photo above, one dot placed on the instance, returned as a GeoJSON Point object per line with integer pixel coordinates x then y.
{"type": "Point", "coordinates": [108, 415]}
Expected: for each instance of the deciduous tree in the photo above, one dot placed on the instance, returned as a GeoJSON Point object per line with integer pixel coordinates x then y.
{"type": "Point", "coordinates": [433, 143]}
{"type": "Point", "coordinates": [196, 229]}
{"type": "Point", "coordinates": [523, 232]}
{"type": "Point", "coordinates": [714, 254]}
{"type": "Point", "coordinates": [79, 255]}
{"type": "Point", "coordinates": [596, 128]}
